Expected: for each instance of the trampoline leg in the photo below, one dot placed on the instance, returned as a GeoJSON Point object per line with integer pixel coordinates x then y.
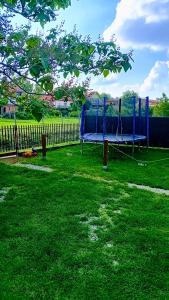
{"type": "Point", "coordinates": [81, 142]}
{"type": "Point", "coordinates": [133, 148]}
{"type": "Point", "coordinates": [139, 145]}
{"type": "Point", "coordinates": [105, 157]}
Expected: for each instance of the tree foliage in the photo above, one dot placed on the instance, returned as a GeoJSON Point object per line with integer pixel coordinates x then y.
{"type": "Point", "coordinates": [3, 102]}
{"type": "Point", "coordinates": [127, 101]}
{"type": "Point", "coordinates": [162, 108]}
{"type": "Point", "coordinates": [97, 95]}
{"type": "Point", "coordinates": [35, 10]}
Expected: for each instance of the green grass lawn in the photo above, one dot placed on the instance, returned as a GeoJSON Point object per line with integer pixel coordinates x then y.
{"type": "Point", "coordinates": [80, 232]}
{"type": "Point", "coordinates": [56, 120]}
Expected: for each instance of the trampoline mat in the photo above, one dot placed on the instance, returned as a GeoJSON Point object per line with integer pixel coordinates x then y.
{"type": "Point", "coordinates": [112, 138]}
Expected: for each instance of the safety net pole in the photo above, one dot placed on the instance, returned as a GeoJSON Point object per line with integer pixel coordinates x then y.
{"type": "Point", "coordinates": [118, 119]}
{"type": "Point", "coordinates": [104, 117]}
{"type": "Point", "coordinates": [139, 114]}
{"type": "Point", "coordinates": [134, 122]}
{"type": "Point", "coordinates": [82, 121]}
{"type": "Point", "coordinates": [147, 122]}
{"type": "Point", "coordinates": [97, 113]}
{"type": "Point", "coordinates": [134, 117]}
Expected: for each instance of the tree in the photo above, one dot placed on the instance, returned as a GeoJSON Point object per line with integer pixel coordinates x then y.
{"type": "Point", "coordinates": [3, 102]}
{"type": "Point", "coordinates": [50, 61]}
{"type": "Point", "coordinates": [102, 95]}
{"type": "Point", "coordinates": [127, 102]}
{"type": "Point", "coordinates": [162, 108]}
{"type": "Point", "coordinates": [97, 95]}
{"type": "Point", "coordinates": [38, 11]}
{"type": "Point", "coordinates": [111, 111]}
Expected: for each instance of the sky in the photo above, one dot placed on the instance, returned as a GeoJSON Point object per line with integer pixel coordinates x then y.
{"type": "Point", "coordinates": [138, 25]}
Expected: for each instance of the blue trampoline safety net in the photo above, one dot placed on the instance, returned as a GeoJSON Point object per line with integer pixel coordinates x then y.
{"type": "Point", "coordinates": [115, 120]}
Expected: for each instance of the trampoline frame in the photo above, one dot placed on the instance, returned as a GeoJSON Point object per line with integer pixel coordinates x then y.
{"type": "Point", "coordinates": [113, 138]}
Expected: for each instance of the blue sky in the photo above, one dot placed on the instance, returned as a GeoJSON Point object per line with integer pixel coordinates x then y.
{"type": "Point", "coordinates": [141, 25]}
{"type": "Point", "coordinates": [90, 16]}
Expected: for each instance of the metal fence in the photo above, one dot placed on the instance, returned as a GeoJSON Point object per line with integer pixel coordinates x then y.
{"type": "Point", "coordinates": [25, 137]}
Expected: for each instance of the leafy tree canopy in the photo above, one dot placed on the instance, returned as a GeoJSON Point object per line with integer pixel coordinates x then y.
{"type": "Point", "coordinates": [3, 102]}
{"type": "Point", "coordinates": [36, 10]}
{"type": "Point", "coordinates": [162, 108]}
{"type": "Point", "coordinates": [97, 95]}
{"type": "Point", "coordinates": [127, 103]}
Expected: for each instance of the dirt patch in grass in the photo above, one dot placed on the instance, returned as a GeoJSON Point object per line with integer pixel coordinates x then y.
{"type": "Point", "coordinates": [3, 193]}
{"type": "Point", "coordinates": [11, 160]}
{"type": "Point", "coordinates": [148, 188]}
{"type": "Point", "coordinates": [17, 161]}
{"type": "Point", "coordinates": [34, 167]}
{"type": "Point", "coordinates": [96, 178]}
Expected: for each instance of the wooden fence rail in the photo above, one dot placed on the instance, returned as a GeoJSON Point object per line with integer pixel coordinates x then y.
{"type": "Point", "coordinates": [28, 136]}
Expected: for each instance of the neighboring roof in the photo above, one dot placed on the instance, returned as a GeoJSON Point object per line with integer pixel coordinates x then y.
{"type": "Point", "coordinates": [153, 102]}
{"type": "Point", "coordinates": [47, 98]}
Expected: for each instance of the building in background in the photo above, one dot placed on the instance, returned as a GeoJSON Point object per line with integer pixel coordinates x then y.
{"type": "Point", "coordinates": [153, 103]}
{"type": "Point", "coordinates": [10, 108]}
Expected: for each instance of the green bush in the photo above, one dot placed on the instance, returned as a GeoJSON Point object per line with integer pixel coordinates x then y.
{"type": "Point", "coordinates": [74, 114]}
{"type": "Point", "coordinates": [22, 115]}
{"type": "Point", "coordinates": [8, 116]}
{"type": "Point", "coordinates": [54, 113]}
{"type": "Point", "coordinates": [161, 109]}
{"type": "Point", "coordinates": [64, 112]}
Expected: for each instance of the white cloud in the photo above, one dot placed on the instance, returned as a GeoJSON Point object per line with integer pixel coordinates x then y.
{"type": "Point", "coordinates": [141, 24]}
{"type": "Point", "coordinates": [111, 85]}
{"type": "Point", "coordinates": [155, 83]}
{"type": "Point", "coordinates": [117, 89]}
{"type": "Point", "coordinates": [157, 80]}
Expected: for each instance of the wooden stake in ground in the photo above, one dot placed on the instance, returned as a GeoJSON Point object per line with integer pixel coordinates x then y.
{"type": "Point", "coordinates": [44, 146]}
{"type": "Point", "coordinates": [105, 154]}
{"type": "Point", "coordinates": [16, 139]}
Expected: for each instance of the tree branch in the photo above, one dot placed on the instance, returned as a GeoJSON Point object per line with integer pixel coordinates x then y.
{"type": "Point", "coordinates": [23, 89]}
{"type": "Point", "coordinates": [21, 75]}
{"type": "Point", "coordinates": [22, 13]}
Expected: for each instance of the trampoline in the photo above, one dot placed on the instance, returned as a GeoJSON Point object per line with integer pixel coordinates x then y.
{"type": "Point", "coordinates": [113, 138]}
{"type": "Point", "coordinates": [115, 122]}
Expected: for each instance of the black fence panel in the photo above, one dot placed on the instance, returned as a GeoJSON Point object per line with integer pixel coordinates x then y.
{"type": "Point", "coordinates": [159, 127]}
{"type": "Point", "coordinates": [159, 132]}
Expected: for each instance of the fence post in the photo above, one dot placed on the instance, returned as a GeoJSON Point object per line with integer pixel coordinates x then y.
{"type": "Point", "coordinates": [147, 122]}
{"type": "Point", "coordinates": [16, 139]}
{"type": "Point", "coordinates": [44, 146]}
